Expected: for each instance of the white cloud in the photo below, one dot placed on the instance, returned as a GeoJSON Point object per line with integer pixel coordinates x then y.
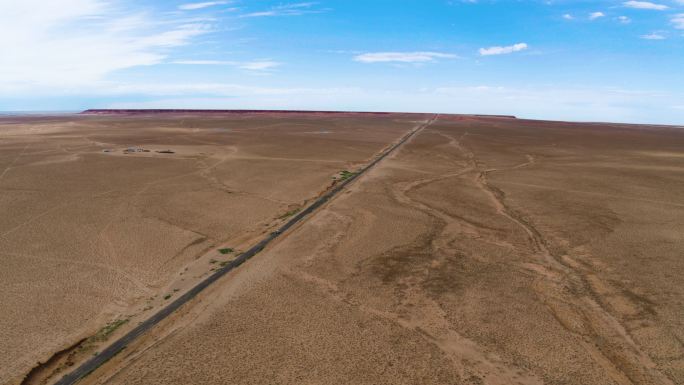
{"type": "Point", "coordinates": [503, 50]}
{"type": "Point", "coordinates": [257, 65]}
{"type": "Point", "coordinates": [193, 6]}
{"type": "Point", "coordinates": [261, 14]}
{"type": "Point", "coordinates": [645, 5]}
{"type": "Point", "coordinates": [262, 65]}
{"type": "Point", "coordinates": [624, 19]}
{"type": "Point", "coordinates": [596, 15]}
{"type": "Point", "coordinates": [192, 90]}
{"type": "Point", "coordinates": [69, 43]}
{"type": "Point", "coordinates": [678, 21]}
{"type": "Point", "coordinates": [204, 62]}
{"type": "Point", "coordinates": [294, 9]}
{"type": "Point", "coordinates": [401, 57]}
{"type": "Point", "coordinates": [568, 16]}
{"type": "Point", "coordinates": [653, 36]}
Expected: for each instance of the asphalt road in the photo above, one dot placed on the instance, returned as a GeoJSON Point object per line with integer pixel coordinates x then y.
{"type": "Point", "coordinates": [117, 346]}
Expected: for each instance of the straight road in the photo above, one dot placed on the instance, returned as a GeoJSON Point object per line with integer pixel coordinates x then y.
{"type": "Point", "coordinates": [117, 346]}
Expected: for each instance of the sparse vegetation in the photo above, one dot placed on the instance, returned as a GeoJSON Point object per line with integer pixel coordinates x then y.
{"type": "Point", "coordinates": [290, 213]}
{"type": "Point", "coordinates": [107, 330]}
{"type": "Point", "coordinates": [226, 250]}
{"type": "Point", "coordinates": [346, 174]}
{"type": "Point", "coordinates": [167, 296]}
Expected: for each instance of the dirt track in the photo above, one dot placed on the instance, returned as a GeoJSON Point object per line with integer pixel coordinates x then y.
{"type": "Point", "coordinates": [486, 251]}
{"type": "Point", "coordinates": [444, 266]}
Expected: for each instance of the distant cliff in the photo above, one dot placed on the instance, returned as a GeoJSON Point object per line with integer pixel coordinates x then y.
{"type": "Point", "coordinates": [191, 111]}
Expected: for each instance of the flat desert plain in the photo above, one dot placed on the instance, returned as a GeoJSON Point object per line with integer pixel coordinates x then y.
{"type": "Point", "coordinates": [106, 218]}
{"type": "Point", "coordinates": [482, 251]}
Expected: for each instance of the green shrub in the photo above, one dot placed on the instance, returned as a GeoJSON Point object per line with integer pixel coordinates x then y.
{"type": "Point", "coordinates": [345, 174]}
{"type": "Point", "coordinates": [290, 213]}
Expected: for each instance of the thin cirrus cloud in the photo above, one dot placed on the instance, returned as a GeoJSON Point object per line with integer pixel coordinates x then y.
{"type": "Point", "coordinates": [653, 36]}
{"type": "Point", "coordinates": [204, 62]}
{"type": "Point", "coordinates": [206, 4]}
{"type": "Point", "coordinates": [596, 15]}
{"type": "Point", "coordinates": [645, 5]}
{"type": "Point", "coordinates": [79, 42]}
{"type": "Point", "coordinates": [293, 9]}
{"type": "Point", "coordinates": [498, 50]}
{"type": "Point", "coordinates": [402, 57]}
{"type": "Point", "coordinates": [257, 65]}
{"type": "Point", "coordinates": [678, 21]}
{"type": "Point", "coordinates": [263, 65]}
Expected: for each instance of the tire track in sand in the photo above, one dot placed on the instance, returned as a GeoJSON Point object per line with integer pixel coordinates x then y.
{"type": "Point", "coordinates": [620, 356]}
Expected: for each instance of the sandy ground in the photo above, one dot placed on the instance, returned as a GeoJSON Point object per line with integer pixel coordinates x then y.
{"type": "Point", "coordinates": [486, 251]}
{"type": "Point", "coordinates": [90, 235]}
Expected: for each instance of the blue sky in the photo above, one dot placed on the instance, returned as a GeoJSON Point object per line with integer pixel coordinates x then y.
{"type": "Point", "coordinates": [565, 60]}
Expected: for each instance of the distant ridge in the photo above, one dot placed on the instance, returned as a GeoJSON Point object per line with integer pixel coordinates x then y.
{"type": "Point", "coordinates": [191, 111]}
{"type": "Point", "coordinates": [495, 116]}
